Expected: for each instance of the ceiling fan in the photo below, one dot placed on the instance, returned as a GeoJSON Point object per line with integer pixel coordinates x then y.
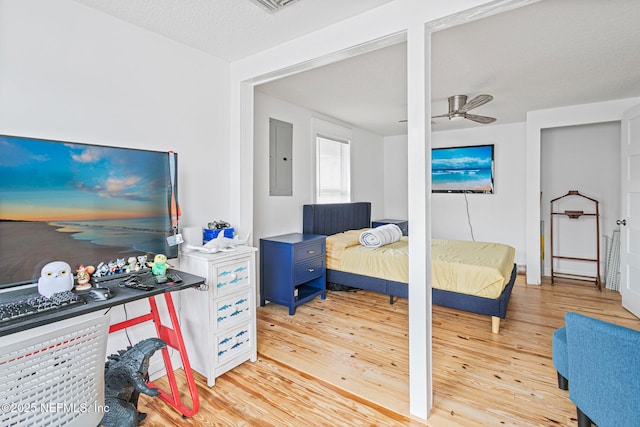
{"type": "Point", "coordinates": [459, 106]}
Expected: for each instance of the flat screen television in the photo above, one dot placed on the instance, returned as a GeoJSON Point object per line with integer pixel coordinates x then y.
{"type": "Point", "coordinates": [80, 203]}
{"type": "Point", "coordinates": [462, 169]}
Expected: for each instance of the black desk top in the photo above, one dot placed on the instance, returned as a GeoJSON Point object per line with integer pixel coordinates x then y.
{"type": "Point", "coordinates": [121, 295]}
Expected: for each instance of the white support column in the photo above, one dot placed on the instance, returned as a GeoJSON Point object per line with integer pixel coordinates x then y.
{"type": "Point", "coordinates": [419, 162]}
{"type": "Point", "coordinates": [241, 160]}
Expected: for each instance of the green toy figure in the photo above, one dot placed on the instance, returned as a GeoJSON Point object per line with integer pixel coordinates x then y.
{"type": "Point", "coordinates": [159, 265]}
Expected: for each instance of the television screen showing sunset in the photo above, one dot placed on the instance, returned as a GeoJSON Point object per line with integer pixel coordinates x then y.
{"type": "Point", "coordinates": [96, 198]}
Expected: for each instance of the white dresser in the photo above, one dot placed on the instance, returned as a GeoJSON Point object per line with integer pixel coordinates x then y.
{"type": "Point", "coordinates": [219, 323]}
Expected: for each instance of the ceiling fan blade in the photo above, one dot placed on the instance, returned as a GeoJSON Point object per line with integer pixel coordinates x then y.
{"type": "Point", "coordinates": [441, 115]}
{"type": "Point", "coordinates": [407, 121]}
{"type": "Point", "coordinates": [476, 102]}
{"type": "Point", "coordinates": [480, 119]}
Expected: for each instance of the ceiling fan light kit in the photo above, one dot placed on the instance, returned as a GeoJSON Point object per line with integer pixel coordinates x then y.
{"type": "Point", "coordinates": [459, 106]}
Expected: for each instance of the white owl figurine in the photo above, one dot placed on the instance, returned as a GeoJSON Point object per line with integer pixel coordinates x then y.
{"type": "Point", "coordinates": [55, 277]}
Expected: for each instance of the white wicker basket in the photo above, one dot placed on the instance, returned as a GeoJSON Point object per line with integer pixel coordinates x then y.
{"type": "Point", "coordinates": [56, 378]}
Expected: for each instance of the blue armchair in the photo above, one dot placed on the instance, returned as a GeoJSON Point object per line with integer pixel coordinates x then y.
{"type": "Point", "coordinates": [602, 365]}
{"type": "Point", "coordinates": [560, 357]}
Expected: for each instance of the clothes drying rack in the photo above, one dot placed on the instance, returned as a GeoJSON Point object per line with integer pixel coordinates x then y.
{"type": "Point", "coordinates": [576, 214]}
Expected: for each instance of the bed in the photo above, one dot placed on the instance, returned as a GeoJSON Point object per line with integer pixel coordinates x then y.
{"type": "Point", "coordinates": [330, 219]}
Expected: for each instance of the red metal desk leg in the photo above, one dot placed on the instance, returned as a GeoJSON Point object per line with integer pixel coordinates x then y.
{"type": "Point", "coordinates": [173, 338]}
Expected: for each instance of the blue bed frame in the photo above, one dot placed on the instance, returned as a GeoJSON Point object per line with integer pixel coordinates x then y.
{"type": "Point", "coordinates": [335, 218]}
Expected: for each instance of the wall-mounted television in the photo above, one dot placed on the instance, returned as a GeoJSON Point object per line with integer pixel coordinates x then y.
{"type": "Point", "coordinates": [462, 169]}
{"type": "Point", "coordinates": [80, 203]}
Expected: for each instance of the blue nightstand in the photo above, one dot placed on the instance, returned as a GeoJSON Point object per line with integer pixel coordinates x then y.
{"type": "Point", "coordinates": [292, 269]}
{"type": "Point", "coordinates": [402, 223]}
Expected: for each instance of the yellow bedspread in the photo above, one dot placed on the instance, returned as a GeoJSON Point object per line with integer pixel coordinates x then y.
{"type": "Point", "coordinates": [474, 268]}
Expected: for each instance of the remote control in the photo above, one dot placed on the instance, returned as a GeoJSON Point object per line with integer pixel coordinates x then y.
{"type": "Point", "coordinates": [174, 278]}
{"type": "Point", "coordinates": [136, 283]}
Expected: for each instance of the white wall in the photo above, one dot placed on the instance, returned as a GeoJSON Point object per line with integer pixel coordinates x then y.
{"type": "Point", "coordinates": [498, 217]}
{"type": "Point", "coordinates": [601, 112]}
{"type": "Point", "coordinates": [274, 215]}
{"type": "Point", "coordinates": [71, 73]}
{"type": "Point", "coordinates": [584, 158]}
{"type": "Point", "coordinates": [503, 216]}
{"type": "Point", "coordinates": [396, 178]}
{"type": "Point", "coordinates": [367, 162]}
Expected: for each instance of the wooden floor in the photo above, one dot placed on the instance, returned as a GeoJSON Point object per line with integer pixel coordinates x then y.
{"type": "Point", "coordinates": [343, 361]}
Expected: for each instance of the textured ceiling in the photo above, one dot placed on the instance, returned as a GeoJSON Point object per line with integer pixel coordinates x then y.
{"type": "Point", "coordinates": [548, 54]}
{"type": "Point", "coordinates": [231, 29]}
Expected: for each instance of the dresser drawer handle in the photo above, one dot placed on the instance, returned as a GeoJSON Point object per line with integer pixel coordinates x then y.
{"type": "Point", "coordinates": [311, 252]}
{"type": "Point", "coordinates": [311, 270]}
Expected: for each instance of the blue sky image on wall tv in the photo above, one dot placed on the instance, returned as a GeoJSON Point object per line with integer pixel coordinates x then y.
{"type": "Point", "coordinates": [79, 203]}
{"type": "Point", "coordinates": [462, 169]}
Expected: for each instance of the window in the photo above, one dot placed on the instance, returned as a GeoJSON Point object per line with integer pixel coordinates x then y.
{"type": "Point", "coordinates": [333, 174]}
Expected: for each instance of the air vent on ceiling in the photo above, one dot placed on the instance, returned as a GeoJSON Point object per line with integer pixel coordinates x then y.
{"type": "Point", "coordinates": [273, 5]}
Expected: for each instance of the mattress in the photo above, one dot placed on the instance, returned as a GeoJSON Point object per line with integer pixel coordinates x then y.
{"type": "Point", "coordinates": [482, 269]}
{"type": "Point", "coordinates": [475, 268]}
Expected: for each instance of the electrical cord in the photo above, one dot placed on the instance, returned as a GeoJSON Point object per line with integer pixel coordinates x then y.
{"type": "Point", "coordinates": [126, 332]}
{"type": "Point", "coordinates": [469, 216]}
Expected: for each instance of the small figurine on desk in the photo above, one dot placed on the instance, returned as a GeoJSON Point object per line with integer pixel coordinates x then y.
{"type": "Point", "coordinates": [120, 265]}
{"type": "Point", "coordinates": [142, 262]}
{"type": "Point", "coordinates": [83, 276]}
{"type": "Point", "coordinates": [159, 265]}
{"type": "Point", "coordinates": [55, 277]}
{"type": "Point", "coordinates": [131, 264]}
{"type": "Point", "coordinates": [112, 267]}
{"type": "Point", "coordinates": [101, 270]}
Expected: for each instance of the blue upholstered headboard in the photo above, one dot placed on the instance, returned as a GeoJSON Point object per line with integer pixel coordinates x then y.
{"type": "Point", "coordinates": [335, 218]}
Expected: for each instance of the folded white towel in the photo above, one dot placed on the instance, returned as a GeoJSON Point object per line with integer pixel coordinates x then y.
{"type": "Point", "coordinates": [380, 236]}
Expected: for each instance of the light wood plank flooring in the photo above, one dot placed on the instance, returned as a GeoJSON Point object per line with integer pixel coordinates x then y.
{"type": "Point", "coordinates": [344, 362]}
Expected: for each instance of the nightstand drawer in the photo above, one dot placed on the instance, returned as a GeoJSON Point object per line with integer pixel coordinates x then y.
{"type": "Point", "coordinates": [309, 269]}
{"type": "Point", "coordinates": [308, 250]}
{"type": "Point", "coordinates": [228, 311]}
{"type": "Point", "coordinates": [231, 277]}
{"type": "Point", "coordinates": [232, 344]}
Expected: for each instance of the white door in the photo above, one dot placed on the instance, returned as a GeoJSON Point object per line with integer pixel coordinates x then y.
{"type": "Point", "coordinates": [630, 222]}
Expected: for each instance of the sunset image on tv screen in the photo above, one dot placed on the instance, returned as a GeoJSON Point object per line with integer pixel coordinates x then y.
{"type": "Point", "coordinates": [80, 203]}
